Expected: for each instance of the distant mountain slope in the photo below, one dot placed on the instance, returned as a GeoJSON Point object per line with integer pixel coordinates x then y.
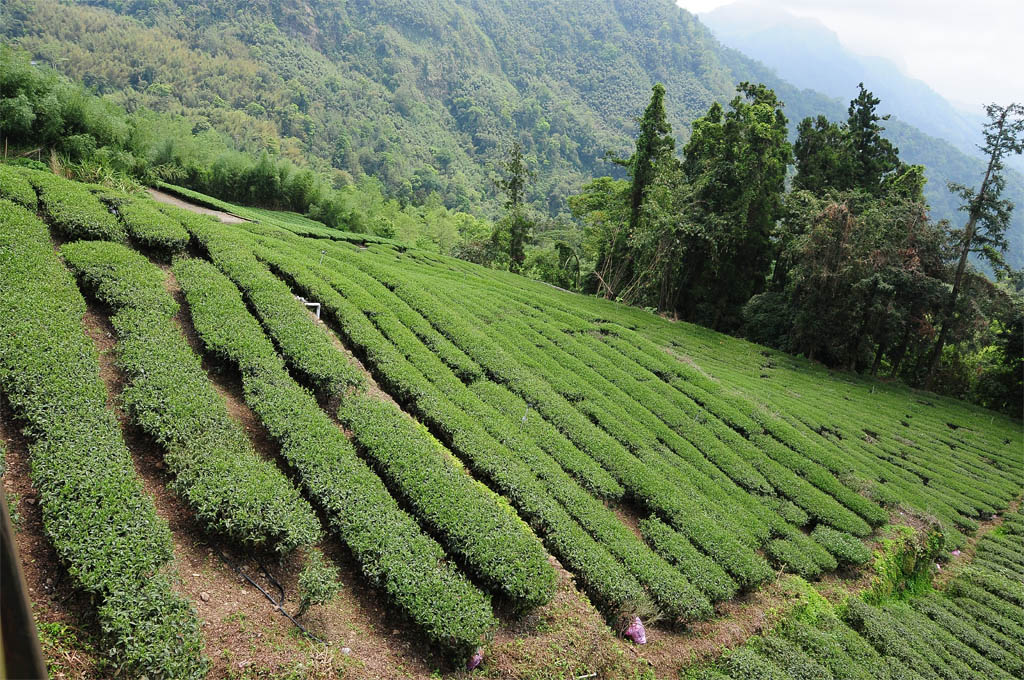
{"type": "Point", "coordinates": [802, 53]}
{"type": "Point", "coordinates": [424, 95]}
{"type": "Point", "coordinates": [809, 55]}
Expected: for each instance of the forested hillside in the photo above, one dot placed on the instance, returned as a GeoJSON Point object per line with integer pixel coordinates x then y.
{"type": "Point", "coordinates": [426, 96]}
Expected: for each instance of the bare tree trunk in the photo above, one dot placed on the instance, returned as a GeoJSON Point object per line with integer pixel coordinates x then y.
{"type": "Point", "coordinates": [901, 352]}
{"type": "Point", "coordinates": [969, 231]}
{"type": "Point", "coordinates": [878, 360]}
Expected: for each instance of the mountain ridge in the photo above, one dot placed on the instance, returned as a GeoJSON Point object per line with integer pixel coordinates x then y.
{"type": "Point", "coordinates": [427, 96]}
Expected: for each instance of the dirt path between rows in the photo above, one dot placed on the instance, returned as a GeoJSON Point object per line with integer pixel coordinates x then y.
{"type": "Point", "coordinates": [169, 199]}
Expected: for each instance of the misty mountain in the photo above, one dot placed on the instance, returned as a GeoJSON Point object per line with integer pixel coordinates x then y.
{"type": "Point", "coordinates": [427, 95]}
{"type": "Point", "coordinates": [809, 55]}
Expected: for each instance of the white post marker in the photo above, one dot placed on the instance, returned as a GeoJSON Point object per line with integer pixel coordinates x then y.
{"type": "Point", "coordinates": [309, 304]}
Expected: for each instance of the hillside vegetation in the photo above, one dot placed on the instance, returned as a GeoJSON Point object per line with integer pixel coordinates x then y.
{"type": "Point", "coordinates": [456, 427]}
{"type": "Point", "coordinates": [427, 96]}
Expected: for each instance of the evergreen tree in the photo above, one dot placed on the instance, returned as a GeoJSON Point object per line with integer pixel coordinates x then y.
{"type": "Point", "coordinates": [873, 157]}
{"type": "Point", "coordinates": [852, 155]}
{"type": "Point", "coordinates": [654, 143]}
{"type": "Point", "coordinates": [988, 215]}
{"type": "Point", "coordinates": [516, 223]}
{"type": "Point", "coordinates": [615, 267]}
{"type": "Point", "coordinates": [735, 164]}
{"type": "Point", "coordinates": [822, 155]}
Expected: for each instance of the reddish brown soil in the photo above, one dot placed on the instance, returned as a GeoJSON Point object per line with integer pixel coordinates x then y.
{"type": "Point", "coordinates": [373, 389]}
{"type": "Point", "coordinates": [567, 638]}
{"type": "Point", "coordinates": [735, 621]}
{"type": "Point", "coordinates": [629, 516]}
{"type": "Point", "coordinates": [228, 384]}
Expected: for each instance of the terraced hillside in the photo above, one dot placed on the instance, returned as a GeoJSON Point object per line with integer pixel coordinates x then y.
{"type": "Point", "coordinates": [497, 466]}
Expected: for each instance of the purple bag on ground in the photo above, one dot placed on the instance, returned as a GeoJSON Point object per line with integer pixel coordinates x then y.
{"type": "Point", "coordinates": [636, 632]}
{"type": "Point", "coordinates": [476, 659]}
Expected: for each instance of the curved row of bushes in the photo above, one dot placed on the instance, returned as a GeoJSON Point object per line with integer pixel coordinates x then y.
{"type": "Point", "coordinates": [375, 300]}
{"type": "Point", "coordinates": [216, 470]}
{"type": "Point", "coordinates": [16, 188]}
{"type": "Point", "coordinates": [470, 520]}
{"type": "Point", "coordinates": [389, 546]}
{"type": "Point", "coordinates": [738, 513]}
{"type": "Point", "coordinates": [151, 229]}
{"type": "Point", "coordinates": [73, 209]}
{"type": "Point", "coordinates": [598, 573]}
{"type": "Point", "coordinates": [494, 545]}
{"type": "Point", "coordinates": [307, 348]}
{"type": "Point", "coordinates": [654, 490]}
{"type": "Point", "coordinates": [99, 519]}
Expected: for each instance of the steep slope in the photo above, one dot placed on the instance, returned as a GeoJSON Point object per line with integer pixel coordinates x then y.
{"type": "Point", "coordinates": [672, 471]}
{"type": "Point", "coordinates": [426, 96]}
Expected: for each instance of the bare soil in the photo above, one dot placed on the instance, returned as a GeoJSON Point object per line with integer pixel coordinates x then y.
{"type": "Point", "coordinates": [966, 556]}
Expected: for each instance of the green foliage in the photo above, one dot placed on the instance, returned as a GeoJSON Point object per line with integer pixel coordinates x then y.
{"type": "Point", "coordinates": [151, 229]}
{"type": "Point", "coordinates": [16, 188]}
{"type": "Point", "coordinates": [307, 347]}
{"type": "Point", "coordinates": [318, 582]}
{"type": "Point", "coordinates": [692, 249]}
{"type": "Point", "coordinates": [516, 222]}
{"type": "Point", "coordinates": [675, 548]}
{"type": "Point", "coordinates": [216, 470]}
{"type": "Point", "coordinates": [74, 211]}
{"type": "Point", "coordinates": [387, 543]}
{"type": "Point", "coordinates": [905, 564]}
{"type": "Point", "coordinates": [855, 277]}
{"type": "Point", "coordinates": [845, 548]}
{"type": "Point", "coordinates": [873, 157]}
{"type": "Point", "coordinates": [736, 163]}
{"type": "Point", "coordinates": [470, 520]}
{"type": "Point", "coordinates": [822, 155]}
{"type": "Point", "coordinates": [988, 213]}
{"type": "Point", "coordinates": [95, 512]}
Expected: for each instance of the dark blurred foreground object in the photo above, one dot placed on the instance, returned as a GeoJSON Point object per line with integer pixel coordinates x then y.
{"type": "Point", "coordinates": [20, 656]}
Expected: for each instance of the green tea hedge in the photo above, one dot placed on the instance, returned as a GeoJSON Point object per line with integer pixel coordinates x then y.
{"type": "Point", "coordinates": [95, 512]}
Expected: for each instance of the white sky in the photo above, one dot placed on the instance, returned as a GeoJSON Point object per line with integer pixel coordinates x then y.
{"type": "Point", "coordinates": [969, 52]}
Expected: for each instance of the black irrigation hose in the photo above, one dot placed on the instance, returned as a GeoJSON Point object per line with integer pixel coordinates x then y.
{"type": "Point", "coordinates": [270, 577]}
{"type": "Point", "coordinates": [278, 604]}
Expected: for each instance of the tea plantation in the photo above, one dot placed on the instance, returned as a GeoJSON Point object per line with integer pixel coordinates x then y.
{"type": "Point", "coordinates": [669, 469]}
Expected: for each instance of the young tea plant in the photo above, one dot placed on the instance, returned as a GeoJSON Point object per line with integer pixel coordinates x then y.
{"type": "Point", "coordinates": [318, 583]}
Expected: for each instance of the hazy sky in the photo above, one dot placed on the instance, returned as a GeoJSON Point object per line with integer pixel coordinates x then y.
{"type": "Point", "coordinates": [969, 52]}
